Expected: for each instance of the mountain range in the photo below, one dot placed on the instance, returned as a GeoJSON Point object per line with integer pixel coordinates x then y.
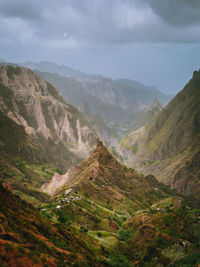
{"type": "Point", "coordinates": [113, 100]}
{"type": "Point", "coordinates": [105, 179]}
{"type": "Point", "coordinates": [38, 128]}
{"type": "Point", "coordinates": [169, 147]}
{"type": "Point", "coordinates": [70, 199]}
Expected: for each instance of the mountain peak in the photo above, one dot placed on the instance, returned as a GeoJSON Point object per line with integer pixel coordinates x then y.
{"type": "Point", "coordinates": [103, 179]}
{"type": "Point", "coordinates": [196, 74]}
{"type": "Point", "coordinates": [100, 147]}
{"type": "Point", "coordinates": [101, 153]}
{"type": "Point", "coordinates": [156, 103]}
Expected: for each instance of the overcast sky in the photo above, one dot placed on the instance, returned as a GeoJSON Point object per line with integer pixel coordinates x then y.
{"type": "Point", "coordinates": [156, 42]}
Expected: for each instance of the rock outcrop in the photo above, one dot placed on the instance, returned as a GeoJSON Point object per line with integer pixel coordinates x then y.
{"type": "Point", "coordinates": [35, 104]}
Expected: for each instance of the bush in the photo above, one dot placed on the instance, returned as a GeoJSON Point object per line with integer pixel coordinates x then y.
{"type": "Point", "coordinates": [174, 252]}
{"type": "Point", "coordinates": [83, 229]}
{"type": "Point", "coordinates": [189, 260]}
{"type": "Point", "coordinates": [21, 250]}
{"type": "Point", "coordinates": [99, 234]}
{"type": "Point", "coordinates": [196, 231]}
{"type": "Point", "coordinates": [62, 217]}
{"type": "Point", "coordinates": [126, 235]}
{"type": "Point", "coordinates": [119, 261]}
{"type": "Point", "coordinates": [9, 247]}
{"type": "Point", "coordinates": [149, 252]}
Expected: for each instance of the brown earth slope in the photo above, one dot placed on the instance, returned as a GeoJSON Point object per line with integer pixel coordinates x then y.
{"type": "Point", "coordinates": [28, 239]}
{"type": "Point", "coordinates": [103, 179]}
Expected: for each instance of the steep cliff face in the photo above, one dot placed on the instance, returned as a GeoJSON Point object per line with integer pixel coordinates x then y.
{"type": "Point", "coordinates": [169, 146]}
{"type": "Point", "coordinates": [40, 133]}
{"type": "Point", "coordinates": [35, 104]}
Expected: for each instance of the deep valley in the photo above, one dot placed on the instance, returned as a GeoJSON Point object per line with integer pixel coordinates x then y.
{"type": "Point", "coordinates": [97, 172]}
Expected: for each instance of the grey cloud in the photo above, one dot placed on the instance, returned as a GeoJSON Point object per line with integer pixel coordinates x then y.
{"type": "Point", "coordinates": [67, 23]}
{"type": "Point", "coordinates": [152, 41]}
{"type": "Point", "coordinates": [177, 12]}
{"type": "Point", "coordinates": [26, 9]}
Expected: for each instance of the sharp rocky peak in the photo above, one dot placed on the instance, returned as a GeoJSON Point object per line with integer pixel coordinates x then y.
{"type": "Point", "coordinates": [101, 153]}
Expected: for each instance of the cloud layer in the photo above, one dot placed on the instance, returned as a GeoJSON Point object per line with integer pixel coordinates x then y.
{"type": "Point", "coordinates": [156, 42]}
{"type": "Point", "coordinates": [77, 23]}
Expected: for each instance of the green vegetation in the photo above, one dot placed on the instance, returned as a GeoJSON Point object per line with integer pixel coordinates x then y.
{"type": "Point", "coordinates": [13, 70]}
{"type": "Point", "coordinates": [38, 238]}
{"type": "Point", "coordinates": [26, 179]}
{"type": "Point", "coordinates": [168, 147]}
{"type": "Point", "coordinates": [106, 214]}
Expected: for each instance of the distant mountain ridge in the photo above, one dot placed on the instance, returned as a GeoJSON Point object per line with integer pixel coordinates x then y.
{"type": "Point", "coordinates": [51, 67]}
{"type": "Point", "coordinates": [114, 100]}
{"type": "Point", "coordinates": [143, 117]}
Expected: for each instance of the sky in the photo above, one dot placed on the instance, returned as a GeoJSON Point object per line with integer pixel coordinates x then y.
{"type": "Point", "coordinates": [150, 41]}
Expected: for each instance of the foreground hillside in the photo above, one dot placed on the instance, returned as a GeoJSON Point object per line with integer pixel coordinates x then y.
{"type": "Point", "coordinates": [127, 218]}
{"type": "Point", "coordinates": [169, 147]}
{"type": "Point", "coordinates": [166, 234]}
{"type": "Point", "coordinates": [28, 239]}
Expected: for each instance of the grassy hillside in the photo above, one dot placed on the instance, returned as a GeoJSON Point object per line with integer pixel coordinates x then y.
{"type": "Point", "coordinates": [29, 239]}
{"type": "Point", "coordinates": [104, 180]}
{"type": "Point", "coordinates": [169, 146]}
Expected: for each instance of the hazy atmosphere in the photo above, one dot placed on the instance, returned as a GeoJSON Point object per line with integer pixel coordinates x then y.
{"type": "Point", "coordinates": [153, 42]}
{"type": "Point", "coordinates": [100, 133]}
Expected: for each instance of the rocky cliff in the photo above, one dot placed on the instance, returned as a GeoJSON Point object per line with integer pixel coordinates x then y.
{"type": "Point", "coordinates": [169, 146]}
{"type": "Point", "coordinates": [36, 105]}
{"type": "Point", "coordinates": [39, 132]}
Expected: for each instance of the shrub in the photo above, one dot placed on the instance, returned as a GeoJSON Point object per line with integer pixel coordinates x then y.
{"type": "Point", "coordinates": [149, 252]}
{"type": "Point", "coordinates": [189, 260]}
{"type": "Point", "coordinates": [99, 234]}
{"type": "Point", "coordinates": [126, 235]}
{"type": "Point", "coordinates": [11, 70]}
{"type": "Point", "coordinates": [174, 253]}
{"type": "Point", "coordinates": [83, 229]}
{"type": "Point", "coordinates": [119, 261]}
{"type": "Point", "coordinates": [196, 231]}
{"type": "Point", "coordinates": [9, 247]}
{"type": "Point", "coordinates": [21, 250]}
